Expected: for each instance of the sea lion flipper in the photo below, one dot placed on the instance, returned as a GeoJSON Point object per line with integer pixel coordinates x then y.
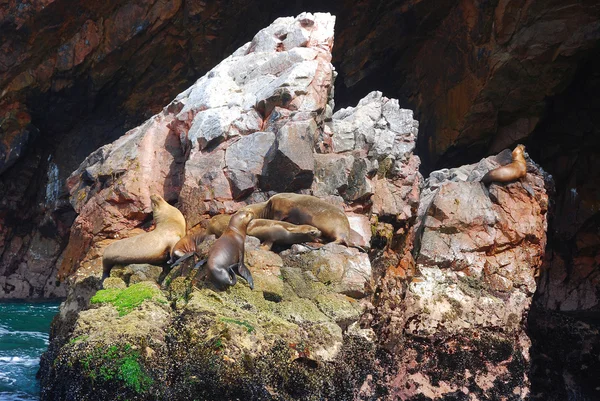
{"type": "Point", "coordinates": [182, 259]}
{"type": "Point", "coordinates": [106, 267]}
{"type": "Point", "coordinates": [360, 248]}
{"type": "Point", "coordinates": [241, 270]}
{"type": "Point", "coordinates": [200, 264]}
{"type": "Point", "coordinates": [232, 273]}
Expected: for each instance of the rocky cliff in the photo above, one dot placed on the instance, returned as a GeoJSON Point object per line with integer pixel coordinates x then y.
{"type": "Point", "coordinates": [75, 76]}
{"type": "Point", "coordinates": [450, 277]}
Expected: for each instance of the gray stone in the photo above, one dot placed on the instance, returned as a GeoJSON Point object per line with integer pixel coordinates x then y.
{"type": "Point", "coordinates": [342, 269]}
{"type": "Point", "coordinates": [331, 174]}
{"type": "Point", "coordinates": [359, 186]}
{"type": "Point", "coordinates": [290, 162]}
{"type": "Point", "coordinates": [378, 125]}
{"type": "Point", "coordinates": [245, 159]}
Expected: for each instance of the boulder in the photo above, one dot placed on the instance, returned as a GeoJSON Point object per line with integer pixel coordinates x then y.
{"type": "Point", "coordinates": [477, 251]}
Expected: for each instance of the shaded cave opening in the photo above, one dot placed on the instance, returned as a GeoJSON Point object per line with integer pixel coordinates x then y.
{"type": "Point", "coordinates": [564, 320]}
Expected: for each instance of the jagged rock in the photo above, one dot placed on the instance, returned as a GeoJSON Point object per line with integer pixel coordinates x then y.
{"type": "Point", "coordinates": [477, 252]}
{"type": "Point", "coordinates": [331, 173]}
{"type": "Point", "coordinates": [189, 150]}
{"type": "Point", "coordinates": [376, 124]}
{"type": "Point", "coordinates": [290, 163]}
{"type": "Point", "coordinates": [362, 226]}
{"type": "Point", "coordinates": [386, 134]}
{"type": "Point", "coordinates": [142, 272]}
{"type": "Point", "coordinates": [245, 160]}
{"type": "Point", "coordinates": [267, 273]}
{"type": "Point", "coordinates": [292, 324]}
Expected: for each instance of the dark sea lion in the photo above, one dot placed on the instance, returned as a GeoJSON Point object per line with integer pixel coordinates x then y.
{"type": "Point", "coordinates": [269, 232]}
{"type": "Point", "coordinates": [512, 171]}
{"type": "Point", "coordinates": [307, 209]}
{"type": "Point", "coordinates": [186, 247]}
{"type": "Point", "coordinates": [152, 247]}
{"type": "Point", "coordinates": [226, 256]}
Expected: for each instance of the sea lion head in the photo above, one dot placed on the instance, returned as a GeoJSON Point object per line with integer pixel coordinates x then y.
{"type": "Point", "coordinates": [519, 151]}
{"type": "Point", "coordinates": [156, 201]}
{"type": "Point", "coordinates": [311, 231]}
{"type": "Point", "coordinates": [241, 219]}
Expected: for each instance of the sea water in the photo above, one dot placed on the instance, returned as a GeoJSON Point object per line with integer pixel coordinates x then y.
{"type": "Point", "coordinates": [24, 329]}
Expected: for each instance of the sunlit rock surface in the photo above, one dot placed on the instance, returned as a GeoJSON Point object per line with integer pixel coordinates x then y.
{"type": "Point", "coordinates": [456, 327]}
{"type": "Point", "coordinates": [435, 309]}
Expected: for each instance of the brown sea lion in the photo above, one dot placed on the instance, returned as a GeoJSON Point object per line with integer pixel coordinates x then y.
{"type": "Point", "coordinates": [510, 172]}
{"type": "Point", "coordinates": [186, 247]}
{"type": "Point", "coordinates": [218, 224]}
{"type": "Point", "coordinates": [226, 256]}
{"type": "Point", "coordinates": [269, 232]}
{"type": "Point", "coordinates": [256, 208]}
{"type": "Point", "coordinates": [306, 209]}
{"type": "Point", "coordinates": [151, 247]}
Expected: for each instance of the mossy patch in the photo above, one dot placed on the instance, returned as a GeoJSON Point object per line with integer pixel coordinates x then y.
{"type": "Point", "coordinates": [126, 300]}
{"type": "Point", "coordinates": [120, 363]}
{"type": "Point", "coordinates": [78, 338]}
{"type": "Point", "coordinates": [243, 323]}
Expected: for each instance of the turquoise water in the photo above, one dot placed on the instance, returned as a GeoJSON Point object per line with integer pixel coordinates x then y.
{"type": "Point", "coordinates": [24, 329]}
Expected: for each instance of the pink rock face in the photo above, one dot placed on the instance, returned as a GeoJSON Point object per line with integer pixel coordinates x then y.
{"type": "Point", "coordinates": [207, 148]}
{"type": "Point", "coordinates": [111, 189]}
{"type": "Point", "coordinates": [459, 328]}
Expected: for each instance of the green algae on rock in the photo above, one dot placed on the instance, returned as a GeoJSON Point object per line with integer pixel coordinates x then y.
{"type": "Point", "coordinates": [125, 300]}
{"type": "Point", "coordinates": [115, 362]}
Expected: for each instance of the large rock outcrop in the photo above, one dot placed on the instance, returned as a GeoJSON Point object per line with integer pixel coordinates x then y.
{"type": "Point", "coordinates": [265, 109]}
{"type": "Point", "coordinates": [435, 310]}
{"type": "Point", "coordinates": [456, 326]}
{"type": "Point", "coordinates": [217, 141]}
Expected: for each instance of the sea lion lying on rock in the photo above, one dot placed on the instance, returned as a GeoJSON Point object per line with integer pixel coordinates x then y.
{"type": "Point", "coordinates": [226, 256]}
{"type": "Point", "coordinates": [269, 232]}
{"type": "Point", "coordinates": [306, 209]}
{"type": "Point", "coordinates": [513, 171]}
{"type": "Point", "coordinates": [152, 247]}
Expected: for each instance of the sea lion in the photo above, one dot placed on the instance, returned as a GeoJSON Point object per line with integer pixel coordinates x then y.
{"type": "Point", "coordinates": [186, 247]}
{"type": "Point", "coordinates": [151, 247]}
{"type": "Point", "coordinates": [226, 256]}
{"type": "Point", "coordinates": [510, 172]}
{"type": "Point", "coordinates": [269, 232]}
{"type": "Point", "coordinates": [218, 224]}
{"type": "Point", "coordinates": [306, 209]}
